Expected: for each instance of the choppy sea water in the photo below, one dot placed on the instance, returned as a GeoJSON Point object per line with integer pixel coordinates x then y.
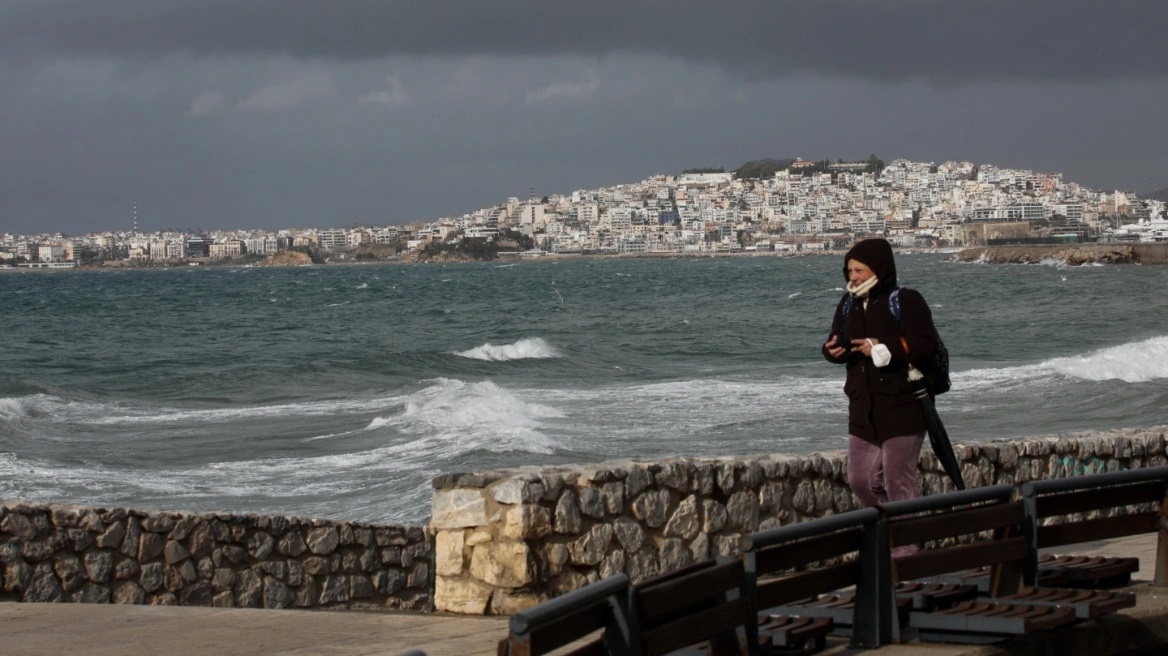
{"type": "Point", "coordinates": [340, 391]}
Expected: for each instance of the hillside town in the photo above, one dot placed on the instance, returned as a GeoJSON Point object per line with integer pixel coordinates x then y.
{"type": "Point", "coordinates": [798, 207]}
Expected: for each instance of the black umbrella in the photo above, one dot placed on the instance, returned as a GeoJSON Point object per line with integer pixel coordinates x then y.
{"type": "Point", "coordinates": [938, 437]}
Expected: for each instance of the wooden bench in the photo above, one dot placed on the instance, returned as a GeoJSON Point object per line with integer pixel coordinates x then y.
{"type": "Point", "coordinates": [1067, 499]}
{"type": "Point", "coordinates": [598, 607]}
{"type": "Point", "coordinates": [980, 528]}
{"type": "Point", "coordinates": [795, 572]}
{"type": "Point", "coordinates": [700, 609]}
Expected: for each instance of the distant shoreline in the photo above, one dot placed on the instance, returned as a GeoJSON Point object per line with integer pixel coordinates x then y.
{"type": "Point", "coordinates": [1071, 254]}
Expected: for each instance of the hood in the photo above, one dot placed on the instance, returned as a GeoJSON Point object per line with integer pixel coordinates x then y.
{"type": "Point", "coordinates": [876, 254]}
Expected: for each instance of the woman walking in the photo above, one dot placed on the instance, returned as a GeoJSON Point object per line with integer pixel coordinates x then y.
{"type": "Point", "coordinates": [886, 426]}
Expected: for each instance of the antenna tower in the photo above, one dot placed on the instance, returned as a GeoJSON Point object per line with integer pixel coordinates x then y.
{"type": "Point", "coordinates": [135, 217]}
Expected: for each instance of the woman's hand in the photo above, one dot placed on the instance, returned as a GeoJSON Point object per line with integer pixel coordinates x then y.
{"type": "Point", "coordinates": [836, 349]}
{"type": "Point", "coordinates": [865, 345]}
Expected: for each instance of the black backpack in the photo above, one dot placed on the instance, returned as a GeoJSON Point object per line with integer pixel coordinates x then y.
{"type": "Point", "coordinates": [937, 371]}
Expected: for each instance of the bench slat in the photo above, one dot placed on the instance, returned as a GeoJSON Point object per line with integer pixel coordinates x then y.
{"type": "Point", "coordinates": [658, 600]}
{"type": "Point", "coordinates": [959, 557]}
{"type": "Point", "coordinates": [1103, 528]}
{"type": "Point", "coordinates": [916, 530]}
{"type": "Point", "coordinates": [797, 554]}
{"type": "Point", "coordinates": [1086, 500]}
{"type": "Point", "coordinates": [773, 592]}
{"type": "Point", "coordinates": [695, 627]}
{"type": "Point", "coordinates": [568, 628]}
{"type": "Point", "coordinates": [1087, 604]}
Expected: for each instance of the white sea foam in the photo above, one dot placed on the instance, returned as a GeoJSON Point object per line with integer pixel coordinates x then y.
{"type": "Point", "coordinates": [1136, 362]}
{"type": "Point", "coordinates": [527, 348]}
{"type": "Point", "coordinates": [109, 414]}
{"type": "Point", "coordinates": [377, 422]}
{"type": "Point", "coordinates": [11, 408]}
{"type": "Point", "coordinates": [793, 295]}
{"type": "Point", "coordinates": [467, 416]}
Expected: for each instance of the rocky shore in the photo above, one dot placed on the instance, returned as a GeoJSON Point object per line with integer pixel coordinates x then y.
{"type": "Point", "coordinates": [1069, 254]}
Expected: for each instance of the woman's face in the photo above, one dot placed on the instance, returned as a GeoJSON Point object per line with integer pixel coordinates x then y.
{"type": "Point", "coordinates": [858, 272]}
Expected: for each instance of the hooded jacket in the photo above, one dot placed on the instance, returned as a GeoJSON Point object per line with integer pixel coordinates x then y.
{"type": "Point", "coordinates": [880, 399]}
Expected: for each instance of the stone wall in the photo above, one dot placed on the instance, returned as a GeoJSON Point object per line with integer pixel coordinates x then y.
{"type": "Point", "coordinates": [507, 540]}
{"type": "Point", "coordinates": [70, 553]}
{"type": "Point", "coordinates": [497, 541]}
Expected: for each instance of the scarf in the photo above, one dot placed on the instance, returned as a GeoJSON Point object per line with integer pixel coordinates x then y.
{"type": "Point", "coordinates": [861, 290]}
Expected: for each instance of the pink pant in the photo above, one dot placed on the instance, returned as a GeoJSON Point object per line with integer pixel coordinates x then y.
{"type": "Point", "coordinates": [885, 472]}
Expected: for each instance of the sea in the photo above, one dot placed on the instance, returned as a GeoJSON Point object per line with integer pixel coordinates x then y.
{"type": "Point", "coordinates": [341, 391]}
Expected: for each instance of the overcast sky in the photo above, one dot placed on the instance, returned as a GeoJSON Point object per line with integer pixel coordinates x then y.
{"type": "Point", "coordinates": [296, 113]}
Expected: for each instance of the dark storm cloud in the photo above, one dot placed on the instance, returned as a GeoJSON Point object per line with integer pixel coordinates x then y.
{"type": "Point", "coordinates": [946, 41]}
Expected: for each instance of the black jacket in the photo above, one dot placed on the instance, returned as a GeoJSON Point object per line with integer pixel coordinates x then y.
{"type": "Point", "coordinates": [880, 399]}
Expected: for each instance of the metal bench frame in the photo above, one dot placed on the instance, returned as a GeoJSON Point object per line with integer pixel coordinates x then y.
{"type": "Point", "coordinates": [1062, 496]}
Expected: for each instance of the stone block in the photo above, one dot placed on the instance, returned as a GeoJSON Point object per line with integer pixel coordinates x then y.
{"type": "Point", "coordinates": [99, 566]}
{"type": "Point", "coordinates": [323, 540]}
{"type": "Point", "coordinates": [149, 547]}
{"type": "Point", "coordinates": [516, 490]}
{"type": "Point", "coordinates": [673, 475]}
{"type": "Point", "coordinates": [260, 545]}
{"type": "Point", "coordinates": [674, 555]}
{"type": "Point", "coordinates": [461, 595]}
{"type": "Point", "coordinates": [503, 564]}
{"type": "Point", "coordinates": [292, 544]}
{"type": "Point", "coordinates": [175, 552]}
{"type": "Point", "coordinates": [527, 522]}
{"type": "Point", "coordinates": [505, 602]}
{"type": "Point", "coordinates": [129, 544]}
{"type": "Point", "coordinates": [158, 523]}
{"type": "Point", "coordinates": [651, 507]}
{"type": "Point", "coordinates": [567, 519]}
{"type": "Point", "coordinates": [128, 592]}
{"type": "Point", "coordinates": [637, 479]}
{"type": "Point", "coordinates": [555, 556]}
{"type": "Point", "coordinates": [112, 537]}
{"type": "Point", "coordinates": [200, 539]}
{"type": "Point", "coordinates": [249, 589]}
{"type": "Point", "coordinates": [278, 595]}
{"type": "Point", "coordinates": [419, 576]}
{"type": "Point", "coordinates": [152, 577]}
{"type": "Point", "coordinates": [714, 516]}
{"type": "Point", "coordinates": [629, 533]}
{"type": "Point", "coordinates": [43, 585]}
{"type": "Point", "coordinates": [591, 502]}
{"type": "Point", "coordinates": [448, 560]}
{"type": "Point", "coordinates": [460, 508]}
{"type": "Point", "coordinates": [589, 549]}
{"type": "Point", "coordinates": [684, 521]}
{"type": "Point", "coordinates": [199, 594]}
{"type": "Point", "coordinates": [19, 525]}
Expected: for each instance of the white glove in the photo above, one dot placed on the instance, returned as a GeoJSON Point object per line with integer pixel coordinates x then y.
{"type": "Point", "coordinates": [881, 356]}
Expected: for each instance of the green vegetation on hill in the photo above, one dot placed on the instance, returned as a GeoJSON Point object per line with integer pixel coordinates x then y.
{"type": "Point", "coordinates": [477, 248]}
{"type": "Point", "coordinates": [762, 168]}
{"type": "Point", "coordinates": [765, 168]}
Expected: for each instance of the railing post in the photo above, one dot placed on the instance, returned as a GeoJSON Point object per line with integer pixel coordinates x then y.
{"type": "Point", "coordinates": [1161, 577]}
{"type": "Point", "coordinates": [1030, 527]}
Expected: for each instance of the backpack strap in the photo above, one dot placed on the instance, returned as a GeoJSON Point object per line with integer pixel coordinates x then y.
{"type": "Point", "coordinates": [893, 305]}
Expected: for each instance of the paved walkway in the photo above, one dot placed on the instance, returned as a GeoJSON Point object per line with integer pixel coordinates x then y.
{"type": "Point", "coordinates": [116, 629]}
